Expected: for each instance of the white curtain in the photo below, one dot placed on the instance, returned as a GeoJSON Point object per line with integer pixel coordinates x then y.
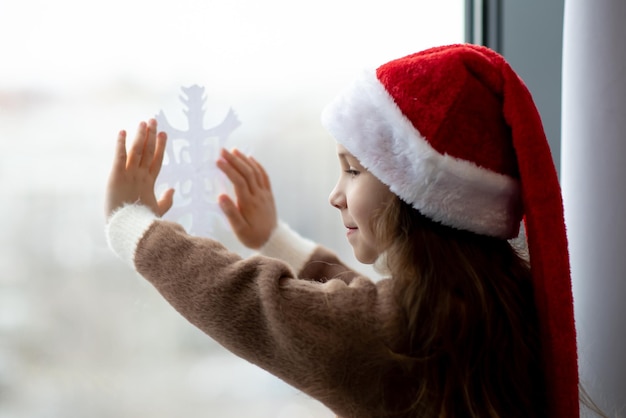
{"type": "Point", "coordinates": [593, 164]}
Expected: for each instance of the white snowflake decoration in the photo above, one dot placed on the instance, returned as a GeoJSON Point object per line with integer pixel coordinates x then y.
{"type": "Point", "coordinates": [189, 164]}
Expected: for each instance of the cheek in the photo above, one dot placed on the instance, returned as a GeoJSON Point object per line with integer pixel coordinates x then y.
{"type": "Point", "coordinates": [365, 206]}
{"type": "Point", "coordinates": [367, 198]}
{"type": "Point", "coordinates": [377, 197]}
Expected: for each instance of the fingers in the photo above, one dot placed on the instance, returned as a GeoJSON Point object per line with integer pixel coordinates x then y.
{"type": "Point", "coordinates": [263, 177]}
{"type": "Point", "coordinates": [165, 202]}
{"type": "Point", "coordinates": [252, 169]}
{"type": "Point", "coordinates": [235, 218]}
{"type": "Point", "coordinates": [246, 174]}
{"type": "Point", "coordinates": [232, 167]}
{"type": "Point", "coordinates": [253, 216]}
{"type": "Point", "coordinates": [159, 152]}
{"type": "Point", "coordinates": [117, 175]}
{"type": "Point", "coordinates": [119, 161]}
{"type": "Point", "coordinates": [136, 151]}
{"type": "Point", "coordinates": [147, 159]}
{"type": "Point", "coordinates": [148, 147]}
{"type": "Point", "coordinates": [237, 221]}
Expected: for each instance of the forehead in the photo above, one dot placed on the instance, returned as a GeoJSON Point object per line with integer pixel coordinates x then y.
{"type": "Point", "coordinates": [343, 153]}
{"type": "Point", "coordinates": [341, 150]}
{"type": "Point", "coordinates": [345, 156]}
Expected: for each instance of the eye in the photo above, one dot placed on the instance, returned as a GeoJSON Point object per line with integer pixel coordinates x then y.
{"type": "Point", "coordinates": [352, 172]}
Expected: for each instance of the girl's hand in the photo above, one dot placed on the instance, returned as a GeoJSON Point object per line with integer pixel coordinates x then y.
{"type": "Point", "coordinates": [133, 176]}
{"type": "Point", "coordinates": [253, 217]}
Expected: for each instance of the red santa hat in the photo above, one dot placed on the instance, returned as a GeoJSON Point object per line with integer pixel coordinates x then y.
{"type": "Point", "coordinates": [454, 132]}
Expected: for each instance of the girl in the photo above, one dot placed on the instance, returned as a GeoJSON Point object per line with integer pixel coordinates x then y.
{"type": "Point", "coordinates": [442, 154]}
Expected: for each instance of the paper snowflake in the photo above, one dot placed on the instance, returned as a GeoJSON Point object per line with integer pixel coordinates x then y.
{"type": "Point", "coordinates": [189, 164]}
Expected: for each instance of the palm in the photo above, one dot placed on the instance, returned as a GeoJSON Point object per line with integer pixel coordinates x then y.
{"type": "Point", "coordinates": [253, 217]}
{"type": "Point", "coordinates": [133, 175]}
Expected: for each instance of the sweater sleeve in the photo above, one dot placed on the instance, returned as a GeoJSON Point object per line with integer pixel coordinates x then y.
{"type": "Point", "coordinates": [287, 245]}
{"type": "Point", "coordinates": [306, 258]}
{"type": "Point", "coordinates": [124, 229]}
{"type": "Point", "coordinates": [317, 335]}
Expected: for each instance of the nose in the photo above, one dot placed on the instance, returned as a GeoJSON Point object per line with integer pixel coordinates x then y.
{"type": "Point", "coordinates": [337, 198]}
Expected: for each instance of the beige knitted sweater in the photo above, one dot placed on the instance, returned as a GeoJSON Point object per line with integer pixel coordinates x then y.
{"type": "Point", "coordinates": [296, 311]}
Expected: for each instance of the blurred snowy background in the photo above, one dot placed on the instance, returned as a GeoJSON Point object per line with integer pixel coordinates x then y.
{"type": "Point", "coordinates": [80, 334]}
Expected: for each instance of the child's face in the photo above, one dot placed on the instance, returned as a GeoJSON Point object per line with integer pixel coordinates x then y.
{"type": "Point", "coordinates": [359, 195]}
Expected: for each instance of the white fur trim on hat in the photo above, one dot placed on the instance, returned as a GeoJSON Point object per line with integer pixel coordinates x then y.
{"type": "Point", "coordinates": [367, 122]}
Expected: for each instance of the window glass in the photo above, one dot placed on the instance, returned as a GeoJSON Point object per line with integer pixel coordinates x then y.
{"type": "Point", "coordinates": [80, 334]}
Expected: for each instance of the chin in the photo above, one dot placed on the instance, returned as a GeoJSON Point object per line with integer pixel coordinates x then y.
{"type": "Point", "coordinates": [365, 258]}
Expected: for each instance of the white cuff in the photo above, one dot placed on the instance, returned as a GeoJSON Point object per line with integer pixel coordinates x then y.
{"type": "Point", "coordinates": [287, 245]}
{"type": "Point", "coordinates": [125, 227]}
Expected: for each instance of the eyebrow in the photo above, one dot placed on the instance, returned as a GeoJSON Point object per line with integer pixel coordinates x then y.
{"type": "Point", "coordinates": [350, 159]}
{"type": "Point", "coordinates": [346, 158]}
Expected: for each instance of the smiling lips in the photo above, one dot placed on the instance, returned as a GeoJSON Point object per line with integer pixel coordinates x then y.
{"type": "Point", "coordinates": [351, 229]}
